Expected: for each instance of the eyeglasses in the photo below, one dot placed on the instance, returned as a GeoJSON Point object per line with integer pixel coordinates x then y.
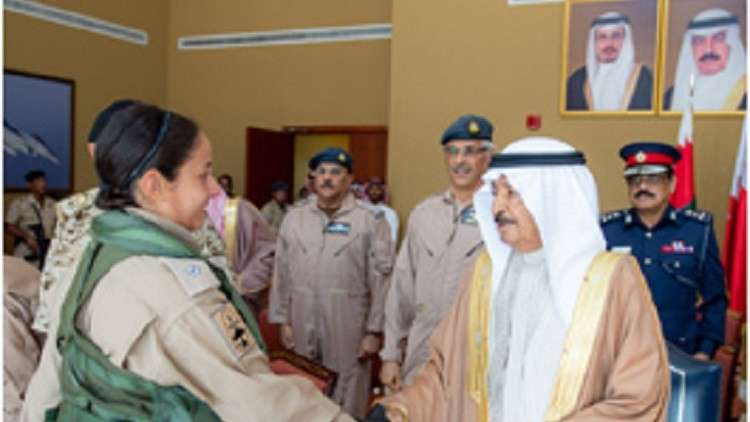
{"type": "Point", "coordinates": [649, 179]}
{"type": "Point", "coordinates": [467, 151]}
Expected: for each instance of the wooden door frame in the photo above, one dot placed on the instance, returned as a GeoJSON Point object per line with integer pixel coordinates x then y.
{"type": "Point", "coordinates": [333, 130]}
{"type": "Point", "coordinates": [351, 131]}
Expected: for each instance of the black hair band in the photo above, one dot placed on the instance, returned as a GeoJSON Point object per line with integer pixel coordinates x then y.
{"type": "Point", "coordinates": [708, 23]}
{"type": "Point", "coordinates": [542, 160]}
{"type": "Point", "coordinates": [163, 129]}
{"type": "Point", "coordinates": [611, 21]}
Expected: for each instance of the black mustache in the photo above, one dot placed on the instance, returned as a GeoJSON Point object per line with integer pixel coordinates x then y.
{"type": "Point", "coordinates": [610, 50]}
{"type": "Point", "coordinates": [461, 167]}
{"type": "Point", "coordinates": [644, 193]}
{"type": "Point", "coordinates": [501, 219]}
{"type": "Point", "coordinates": [709, 56]}
{"type": "Point", "coordinates": [327, 184]}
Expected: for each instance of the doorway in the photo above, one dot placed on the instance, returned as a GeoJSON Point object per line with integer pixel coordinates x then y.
{"type": "Point", "coordinates": [283, 155]}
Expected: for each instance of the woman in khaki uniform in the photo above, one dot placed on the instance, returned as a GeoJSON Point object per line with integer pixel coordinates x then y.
{"type": "Point", "coordinates": [149, 329]}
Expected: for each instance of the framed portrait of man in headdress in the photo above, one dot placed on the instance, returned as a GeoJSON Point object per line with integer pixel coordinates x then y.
{"type": "Point", "coordinates": [609, 57]}
{"type": "Point", "coordinates": [704, 57]}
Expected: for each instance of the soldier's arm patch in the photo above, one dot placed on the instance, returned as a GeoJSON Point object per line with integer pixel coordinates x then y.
{"type": "Point", "coordinates": [194, 275]}
{"type": "Point", "coordinates": [234, 330]}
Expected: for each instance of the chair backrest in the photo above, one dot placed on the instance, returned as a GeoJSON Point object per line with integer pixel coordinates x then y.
{"type": "Point", "coordinates": [733, 328]}
{"type": "Point", "coordinates": [696, 388]}
{"type": "Point", "coordinates": [285, 362]}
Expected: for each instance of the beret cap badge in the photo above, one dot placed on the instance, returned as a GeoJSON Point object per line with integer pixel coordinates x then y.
{"type": "Point", "coordinates": [473, 127]}
{"type": "Point", "coordinates": [342, 158]}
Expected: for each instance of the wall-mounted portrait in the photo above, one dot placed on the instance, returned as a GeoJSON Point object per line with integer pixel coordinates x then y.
{"type": "Point", "coordinates": [37, 130]}
{"type": "Point", "coordinates": [609, 57]}
{"type": "Point", "coordinates": [704, 53]}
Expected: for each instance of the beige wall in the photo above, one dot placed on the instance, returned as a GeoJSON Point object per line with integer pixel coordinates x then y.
{"type": "Point", "coordinates": [449, 58]}
{"type": "Point", "coordinates": [103, 68]}
{"type": "Point", "coordinates": [446, 58]}
{"type": "Point", "coordinates": [343, 83]}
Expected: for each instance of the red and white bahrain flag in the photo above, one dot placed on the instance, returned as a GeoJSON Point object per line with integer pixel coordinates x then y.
{"type": "Point", "coordinates": [684, 192]}
{"type": "Point", "coordinates": [734, 256]}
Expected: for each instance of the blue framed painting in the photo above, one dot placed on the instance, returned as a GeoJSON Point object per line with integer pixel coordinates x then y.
{"type": "Point", "coordinates": [37, 130]}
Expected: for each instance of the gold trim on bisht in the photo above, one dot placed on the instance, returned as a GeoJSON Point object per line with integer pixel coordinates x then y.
{"type": "Point", "coordinates": [630, 86]}
{"type": "Point", "coordinates": [581, 336]}
{"type": "Point", "coordinates": [230, 229]}
{"type": "Point", "coordinates": [735, 96]}
{"type": "Point", "coordinates": [479, 316]}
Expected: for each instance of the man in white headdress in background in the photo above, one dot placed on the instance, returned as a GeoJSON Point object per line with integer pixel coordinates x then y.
{"type": "Point", "coordinates": [713, 54]}
{"type": "Point", "coordinates": [611, 79]}
{"type": "Point", "coordinates": [547, 325]}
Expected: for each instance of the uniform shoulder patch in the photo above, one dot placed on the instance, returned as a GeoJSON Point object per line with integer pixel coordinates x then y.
{"type": "Point", "coordinates": [699, 215]}
{"type": "Point", "coordinates": [611, 216]}
{"type": "Point", "coordinates": [234, 330]}
{"type": "Point", "coordinates": [194, 275]}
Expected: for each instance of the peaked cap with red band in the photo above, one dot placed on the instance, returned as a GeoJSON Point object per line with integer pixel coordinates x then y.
{"type": "Point", "coordinates": [648, 157]}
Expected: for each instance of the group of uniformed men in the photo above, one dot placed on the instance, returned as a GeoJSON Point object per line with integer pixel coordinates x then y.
{"type": "Point", "coordinates": [338, 287]}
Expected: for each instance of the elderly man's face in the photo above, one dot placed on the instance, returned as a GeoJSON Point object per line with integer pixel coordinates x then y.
{"type": "Point", "coordinates": [467, 160]}
{"type": "Point", "coordinates": [710, 52]}
{"type": "Point", "coordinates": [649, 192]}
{"type": "Point", "coordinates": [514, 221]}
{"type": "Point", "coordinates": [608, 42]}
{"type": "Point", "coordinates": [331, 181]}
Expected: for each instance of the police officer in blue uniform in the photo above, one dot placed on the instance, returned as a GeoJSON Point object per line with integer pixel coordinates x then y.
{"type": "Point", "coordinates": [676, 250]}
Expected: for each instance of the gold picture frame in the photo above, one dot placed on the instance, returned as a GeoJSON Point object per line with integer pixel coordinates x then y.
{"type": "Point", "coordinates": [675, 21]}
{"type": "Point", "coordinates": [645, 15]}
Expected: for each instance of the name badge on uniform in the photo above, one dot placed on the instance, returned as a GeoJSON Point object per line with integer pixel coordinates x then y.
{"type": "Point", "coordinates": [337, 227]}
{"type": "Point", "coordinates": [622, 249]}
{"type": "Point", "coordinates": [469, 216]}
{"type": "Point", "coordinates": [677, 247]}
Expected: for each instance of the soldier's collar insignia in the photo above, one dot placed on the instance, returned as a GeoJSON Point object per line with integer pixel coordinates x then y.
{"type": "Point", "coordinates": [640, 157]}
{"type": "Point", "coordinates": [473, 127]}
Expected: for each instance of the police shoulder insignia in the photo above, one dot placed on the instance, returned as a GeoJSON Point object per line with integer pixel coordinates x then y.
{"type": "Point", "coordinates": [611, 216]}
{"type": "Point", "coordinates": [194, 275]}
{"type": "Point", "coordinates": [700, 215]}
{"type": "Point", "coordinates": [234, 330]}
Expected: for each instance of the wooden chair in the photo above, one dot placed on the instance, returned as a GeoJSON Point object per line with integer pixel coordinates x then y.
{"type": "Point", "coordinates": [285, 362]}
{"type": "Point", "coordinates": [727, 356]}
